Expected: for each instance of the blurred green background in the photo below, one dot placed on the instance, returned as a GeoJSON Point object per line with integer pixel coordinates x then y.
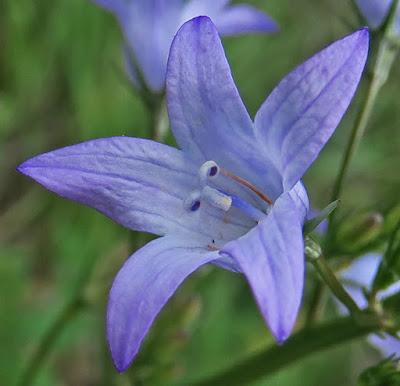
{"type": "Point", "coordinates": [61, 82]}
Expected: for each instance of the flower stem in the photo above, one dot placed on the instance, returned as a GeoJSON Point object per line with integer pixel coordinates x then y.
{"type": "Point", "coordinates": [69, 312]}
{"type": "Point", "coordinates": [314, 255]}
{"type": "Point", "coordinates": [335, 286]}
{"type": "Point", "coordinates": [71, 309]}
{"type": "Point", "coordinates": [300, 345]}
{"type": "Point", "coordinates": [356, 136]}
{"type": "Point", "coordinates": [315, 309]}
{"type": "Point", "coordinates": [159, 122]}
{"type": "Point", "coordinates": [380, 72]}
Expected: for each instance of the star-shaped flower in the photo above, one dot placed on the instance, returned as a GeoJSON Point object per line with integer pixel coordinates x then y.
{"type": "Point", "coordinates": [231, 196]}
{"type": "Point", "coordinates": [360, 275]}
{"type": "Point", "coordinates": [376, 11]}
{"type": "Point", "coordinates": [150, 25]}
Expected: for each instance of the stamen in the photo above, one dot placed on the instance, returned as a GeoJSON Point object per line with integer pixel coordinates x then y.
{"type": "Point", "coordinates": [208, 170]}
{"type": "Point", "coordinates": [254, 213]}
{"type": "Point", "coordinates": [195, 206]}
{"type": "Point", "coordinates": [216, 198]}
{"type": "Point", "coordinates": [247, 184]}
{"type": "Point", "coordinates": [192, 203]}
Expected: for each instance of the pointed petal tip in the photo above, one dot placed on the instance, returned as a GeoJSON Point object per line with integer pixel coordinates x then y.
{"type": "Point", "coordinates": [198, 21]}
{"type": "Point", "coordinates": [362, 35]}
{"type": "Point", "coordinates": [281, 336]}
{"type": "Point", "coordinates": [364, 32]}
{"type": "Point", "coordinates": [24, 168]}
{"type": "Point", "coordinates": [193, 26]}
{"type": "Point", "coordinates": [120, 358]}
{"type": "Point", "coordinates": [28, 167]}
{"type": "Point", "coordinates": [20, 168]}
{"type": "Point", "coordinates": [121, 366]}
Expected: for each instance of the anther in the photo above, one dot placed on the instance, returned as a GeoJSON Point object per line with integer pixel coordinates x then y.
{"type": "Point", "coordinates": [216, 198]}
{"type": "Point", "coordinates": [192, 202]}
{"type": "Point", "coordinates": [208, 170]}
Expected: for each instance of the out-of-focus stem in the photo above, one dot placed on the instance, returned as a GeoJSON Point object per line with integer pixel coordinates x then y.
{"type": "Point", "coordinates": [69, 312]}
{"type": "Point", "coordinates": [315, 308]}
{"type": "Point", "coordinates": [298, 346]}
{"type": "Point", "coordinates": [356, 136]}
{"type": "Point", "coordinates": [314, 256]}
{"type": "Point", "coordinates": [387, 52]}
{"type": "Point", "coordinates": [160, 123]}
{"type": "Point", "coordinates": [335, 286]}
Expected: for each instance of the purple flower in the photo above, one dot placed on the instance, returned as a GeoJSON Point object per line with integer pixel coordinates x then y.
{"type": "Point", "coordinates": [375, 12]}
{"type": "Point", "coordinates": [232, 196]}
{"type": "Point", "coordinates": [360, 275]}
{"type": "Point", "coordinates": [150, 25]}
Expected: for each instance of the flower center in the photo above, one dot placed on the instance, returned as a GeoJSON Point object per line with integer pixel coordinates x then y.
{"type": "Point", "coordinates": [209, 192]}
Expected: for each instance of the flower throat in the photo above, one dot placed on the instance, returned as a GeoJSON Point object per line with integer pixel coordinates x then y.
{"type": "Point", "coordinates": [220, 199]}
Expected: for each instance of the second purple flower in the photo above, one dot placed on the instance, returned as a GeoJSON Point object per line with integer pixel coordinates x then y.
{"type": "Point", "coordinates": [150, 25]}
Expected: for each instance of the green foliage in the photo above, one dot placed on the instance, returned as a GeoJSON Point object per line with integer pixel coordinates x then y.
{"type": "Point", "coordinates": [359, 232]}
{"type": "Point", "coordinates": [389, 269]}
{"type": "Point", "coordinates": [385, 373]}
{"type": "Point", "coordinates": [313, 223]}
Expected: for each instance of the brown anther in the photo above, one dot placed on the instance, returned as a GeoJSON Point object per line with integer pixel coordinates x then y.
{"type": "Point", "coordinates": [247, 184]}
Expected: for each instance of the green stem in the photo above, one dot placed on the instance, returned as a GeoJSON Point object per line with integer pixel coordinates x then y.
{"type": "Point", "coordinates": [68, 313]}
{"type": "Point", "coordinates": [315, 309]}
{"type": "Point", "coordinates": [356, 136]}
{"type": "Point", "coordinates": [335, 286]}
{"type": "Point", "coordinates": [159, 122]}
{"type": "Point", "coordinates": [380, 72]}
{"type": "Point", "coordinates": [314, 256]}
{"type": "Point", "coordinates": [298, 346]}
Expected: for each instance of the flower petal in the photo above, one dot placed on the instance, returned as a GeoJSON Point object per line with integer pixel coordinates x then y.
{"type": "Point", "coordinates": [210, 8]}
{"type": "Point", "coordinates": [208, 117]}
{"type": "Point", "coordinates": [242, 19]}
{"type": "Point", "coordinates": [130, 69]}
{"type": "Point", "coordinates": [387, 345]}
{"type": "Point", "coordinates": [360, 274]}
{"type": "Point", "coordinates": [149, 27]}
{"type": "Point", "coordinates": [204, 105]}
{"type": "Point", "coordinates": [374, 11]}
{"type": "Point", "coordinates": [300, 115]}
{"type": "Point", "coordinates": [271, 256]}
{"type": "Point", "coordinates": [142, 287]}
{"type": "Point", "coordinates": [362, 270]}
{"type": "Point", "coordinates": [136, 182]}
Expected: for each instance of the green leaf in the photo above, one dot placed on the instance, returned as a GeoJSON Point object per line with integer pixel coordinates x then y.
{"type": "Point", "coordinates": [311, 224]}
{"type": "Point", "coordinates": [360, 231]}
{"type": "Point", "coordinates": [389, 269]}
{"type": "Point", "coordinates": [385, 373]}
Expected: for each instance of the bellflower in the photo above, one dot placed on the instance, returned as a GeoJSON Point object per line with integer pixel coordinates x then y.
{"type": "Point", "coordinates": [150, 25]}
{"type": "Point", "coordinates": [360, 275]}
{"type": "Point", "coordinates": [232, 195]}
{"type": "Point", "coordinates": [375, 12]}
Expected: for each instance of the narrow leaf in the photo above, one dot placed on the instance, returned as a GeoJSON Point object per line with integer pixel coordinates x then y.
{"type": "Point", "coordinates": [313, 223]}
